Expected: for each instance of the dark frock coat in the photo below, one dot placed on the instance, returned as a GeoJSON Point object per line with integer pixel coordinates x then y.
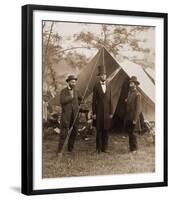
{"type": "Point", "coordinates": [70, 106]}
{"type": "Point", "coordinates": [102, 107]}
{"type": "Point", "coordinates": [133, 108]}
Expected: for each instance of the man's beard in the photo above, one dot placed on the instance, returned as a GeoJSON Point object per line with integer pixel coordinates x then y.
{"type": "Point", "coordinates": [71, 86]}
{"type": "Point", "coordinates": [132, 87]}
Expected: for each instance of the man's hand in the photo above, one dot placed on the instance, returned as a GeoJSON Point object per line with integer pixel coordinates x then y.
{"type": "Point", "coordinates": [71, 93]}
{"type": "Point", "coordinates": [110, 116]}
{"type": "Point", "coordinates": [94, 116]}
{"type": "Point", "coordinates": [134, 122]}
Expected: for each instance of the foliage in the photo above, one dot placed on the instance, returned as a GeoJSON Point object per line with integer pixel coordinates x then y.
{"type": "Point", "coordinates": [114, 38]}
{"type": "Point", "coordinates": [51, 47]}
{"type": "Point", "coordinates": [76, 60]}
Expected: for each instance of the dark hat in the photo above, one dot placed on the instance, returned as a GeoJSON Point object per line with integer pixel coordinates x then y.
{"type": "Point", "coordinates": [71, 77]}
{"type": "Point", "coordinates": [134, 79]}
{"type": "Point", "coordinates": [101, 70]}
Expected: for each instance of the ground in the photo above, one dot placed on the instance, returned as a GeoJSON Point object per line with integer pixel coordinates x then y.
{"type": "Point", "coordinates": [84, 161]}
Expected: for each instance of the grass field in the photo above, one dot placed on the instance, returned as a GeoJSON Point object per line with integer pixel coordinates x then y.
{"type": "Point", "coordinates": [84, 161]}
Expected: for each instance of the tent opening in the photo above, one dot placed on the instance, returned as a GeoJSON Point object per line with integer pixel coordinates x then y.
{"type": "Point", "coordinates": [119, 115]}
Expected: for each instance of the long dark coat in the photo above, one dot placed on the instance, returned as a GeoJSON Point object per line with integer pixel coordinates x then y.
{"type": "Point", "coordinates": [102, 107]}
{"type": "Point", "coordinates": [69, 106]}
{"type": "Point", "coordinates": [133, 108]}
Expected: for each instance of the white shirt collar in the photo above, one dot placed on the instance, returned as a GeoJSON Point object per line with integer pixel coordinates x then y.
{"type": "Point", "coordinates": [104, 83]}
{"type": "Point", "coordinates": [103, 86]}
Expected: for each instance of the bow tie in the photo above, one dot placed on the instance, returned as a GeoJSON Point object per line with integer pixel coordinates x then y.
{"type": "Point", "coordinates": [102, 83]}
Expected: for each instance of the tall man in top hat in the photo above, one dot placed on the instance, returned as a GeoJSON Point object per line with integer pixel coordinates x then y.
{"type": "Point", "coordinates": [102, 110]}
{"type": "Point", "coordinates": [70, 100]}
{"type": "Point", "coordinates": [133, 110]}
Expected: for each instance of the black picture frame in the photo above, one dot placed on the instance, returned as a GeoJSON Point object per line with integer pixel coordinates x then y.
{"type": "Point", "coordinates": [27, 98]}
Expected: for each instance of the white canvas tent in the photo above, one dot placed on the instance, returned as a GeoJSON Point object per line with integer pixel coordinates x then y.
{"type": "Point", "coordinates": [118, 75]}
{"type": "Point", "coordinates": [146, 87]}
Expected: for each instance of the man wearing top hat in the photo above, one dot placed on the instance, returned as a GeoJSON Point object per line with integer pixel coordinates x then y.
{"type": "Point", "coordinates": [70, 100]}
{"type": "Point", "coordinates": [133, 110]}
{"type": "Point", "coordinates": [102, 110]}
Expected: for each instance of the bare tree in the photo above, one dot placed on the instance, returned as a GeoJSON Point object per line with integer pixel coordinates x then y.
{"type": "Point", "coordinates": [51, 46]}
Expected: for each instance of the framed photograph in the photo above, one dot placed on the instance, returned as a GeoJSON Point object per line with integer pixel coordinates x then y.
{"type": "Point", "coordinates": [94, 99]}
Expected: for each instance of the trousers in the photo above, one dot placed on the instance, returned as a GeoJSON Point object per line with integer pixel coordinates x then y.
{"type": "Point", "coordinates": [64, 134]}
{"type": "Point", "coordinates": [133, 144]}
{"type": "Point", "coordinates": [102, 140]}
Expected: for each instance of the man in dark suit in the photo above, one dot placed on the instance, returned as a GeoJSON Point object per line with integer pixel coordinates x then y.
{"type": "Point", "coordinates": [70, 100]}
{"type": "Point", "coordinates": [133, 110]}
{"type": "Point", "coordinates": [102, 110]}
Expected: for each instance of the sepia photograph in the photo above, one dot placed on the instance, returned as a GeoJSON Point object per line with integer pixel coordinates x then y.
{"type": "Point", "coordinates": [94, 99]}
{"type": "Point", "coordinates": [98, 99]}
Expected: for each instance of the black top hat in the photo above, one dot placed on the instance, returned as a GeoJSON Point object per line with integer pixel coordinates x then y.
{"type": "Point", "coordinates": [71, 77]}
{"type": "Point", "coordinates": [134, 79]}
{"type": "Point", "coordinates": [101, 70]}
